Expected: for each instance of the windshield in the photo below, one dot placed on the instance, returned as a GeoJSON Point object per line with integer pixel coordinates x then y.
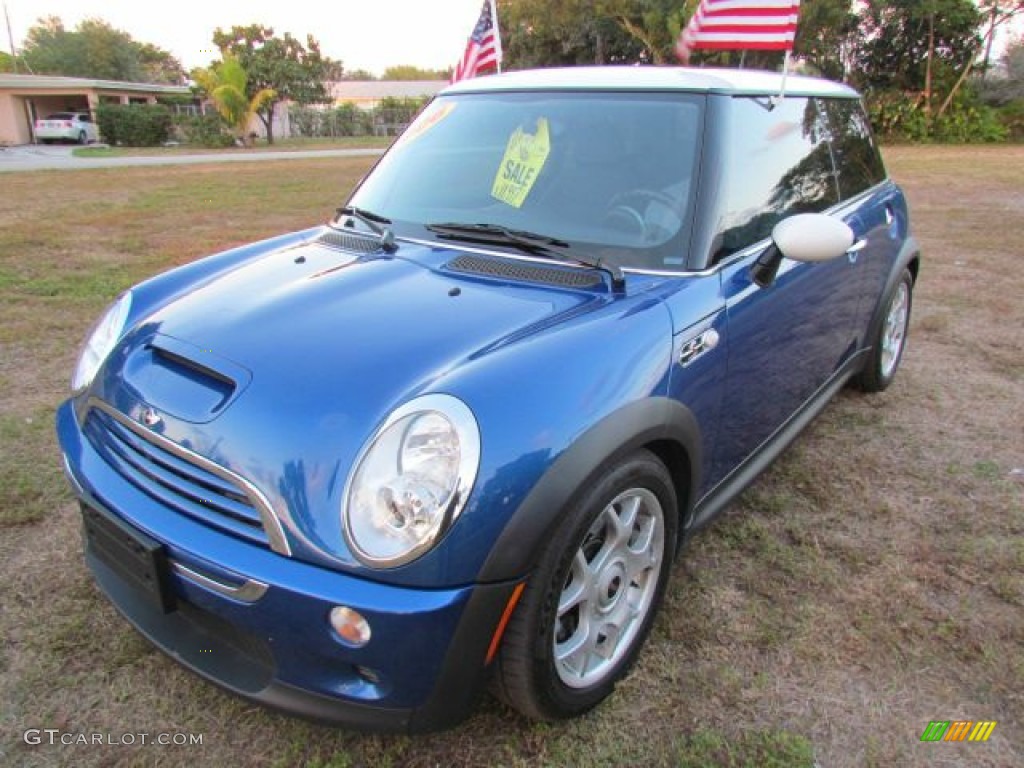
{"type": "Point", "coordinates": [609, 173]}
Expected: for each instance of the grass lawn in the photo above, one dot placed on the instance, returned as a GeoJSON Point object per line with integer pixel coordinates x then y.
{"type": "Point", "coordinates": [870, 582]}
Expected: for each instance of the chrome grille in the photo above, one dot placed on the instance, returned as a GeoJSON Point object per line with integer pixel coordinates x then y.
{"type": "Point", "coordinates": [210, 497]}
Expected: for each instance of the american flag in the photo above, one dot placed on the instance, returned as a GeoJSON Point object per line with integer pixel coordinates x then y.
{"type": "Point", "coordinates": [483, 51]}
{"type": "Point", "coordinates": [766, 25]}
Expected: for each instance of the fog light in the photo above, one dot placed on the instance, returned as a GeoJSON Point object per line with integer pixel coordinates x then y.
{"type": "Point", "coordinates": [350, 626]}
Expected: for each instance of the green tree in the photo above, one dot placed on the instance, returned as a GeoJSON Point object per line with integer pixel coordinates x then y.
{"type": "Point", "coordinates": [159, 66]}
{"type": "Point", "coordinates": [226, 84]}
{"type": "Point", "coordinates": [408, 72]}
{"type": "Point", "coordinates": [825, 36]}
{"type": "Point", "coordinates": [1013, 62]}
{"type": "Point", "coordinates": [97, 50]}
{"type": "Point", "coordinates": [915, 45]}
{"type": "Point", "coordinates": [1008, 86]}
{"type": "Point", "coordinates": [536, 33]}
{"type": "Point", "coordinates": [293, 71]}
{"type": "Point", "coordinates": [6, 62]}
{"type": "Point", "coordinates": [539, 33]}
{"type": "Point", "coordinates": [997, 13]}
{"type": "Point", "coordinates": [654, 24]}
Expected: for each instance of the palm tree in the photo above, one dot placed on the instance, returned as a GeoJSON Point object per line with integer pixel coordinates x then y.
{"type": "Point", "coordinates": [224, 84]}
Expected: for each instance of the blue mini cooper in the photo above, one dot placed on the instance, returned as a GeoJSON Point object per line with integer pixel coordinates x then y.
{"type": "Point", "coordinates": [456, 436]}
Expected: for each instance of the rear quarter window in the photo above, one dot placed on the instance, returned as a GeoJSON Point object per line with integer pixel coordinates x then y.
{"type": "Point", "coordinates": [858, 161]}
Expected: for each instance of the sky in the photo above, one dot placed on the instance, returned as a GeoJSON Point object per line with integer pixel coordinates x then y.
{"type": "Point", "coordinates": [363, 34]}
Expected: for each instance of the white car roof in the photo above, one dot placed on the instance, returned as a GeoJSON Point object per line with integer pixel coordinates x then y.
{"type": "Point", "coordinates": [698, 80]}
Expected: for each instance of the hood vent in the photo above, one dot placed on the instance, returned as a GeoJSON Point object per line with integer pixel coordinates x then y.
{"type": "Point", "coordinates": [519, 270]}
{"type": "Point", "coordinates": [352, 243]}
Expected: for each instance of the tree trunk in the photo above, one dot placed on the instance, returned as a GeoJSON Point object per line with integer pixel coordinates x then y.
{"type": "Point", "coordinates": [967, 71]}
{"type": "Point", "coordinates": [988, 44]}
{"type": "Point", "coordinates": [928, 66]}
{"type": "Point", "coordinates": [268, 122]}
{"type": "Point", "coordinates": [640, 34]}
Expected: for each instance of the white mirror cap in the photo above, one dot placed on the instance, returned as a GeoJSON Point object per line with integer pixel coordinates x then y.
{"type": "Point", "coordinates": [812, 237]}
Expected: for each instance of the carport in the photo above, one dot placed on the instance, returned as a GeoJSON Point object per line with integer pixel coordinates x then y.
{"type": "Point", "coordinates": [24, 98]}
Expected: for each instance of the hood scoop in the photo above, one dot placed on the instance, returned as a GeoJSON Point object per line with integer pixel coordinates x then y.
{"type": "Point", "coordinates": [524, 271]}
{"type": "Point", "coordinates": [183, 380]}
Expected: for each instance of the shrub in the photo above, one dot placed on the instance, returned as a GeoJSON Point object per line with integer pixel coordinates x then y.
{"type": "Point", "coordinates": [900, 117]}
{"type": "Point", "coordinates": [206, 131]}
{"type": "Point", "coordinates": [387, 118]}
{"type": "Point", "coordinates": [134, 125]}
{"type": "Point", "coordinates": [969, 124]}
{"type": "Point", "coordinates": [1012, 117]}
{"type": "Point", "coordinates": [343, 120]}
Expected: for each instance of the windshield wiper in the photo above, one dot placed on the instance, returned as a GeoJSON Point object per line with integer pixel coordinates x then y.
{"type": "Point", "coordinates": [378, 225]}
{"type": "Point", "coordinates": [531, 242]}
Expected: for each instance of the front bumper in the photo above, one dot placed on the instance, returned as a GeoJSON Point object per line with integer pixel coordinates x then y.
{"type": "Point", "coordinates": [421, 670]}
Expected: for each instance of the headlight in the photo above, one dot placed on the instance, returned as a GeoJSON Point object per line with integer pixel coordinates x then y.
{"type": "Point", "coordinates": [101, 340]}
{"type": "Point", "coordinates": [411, 481]}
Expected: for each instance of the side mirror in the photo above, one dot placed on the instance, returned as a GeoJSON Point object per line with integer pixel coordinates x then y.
{"type": "Point", "coordinates": [812, 237]}
{"type": "Point", "coordinates": [804, 237]}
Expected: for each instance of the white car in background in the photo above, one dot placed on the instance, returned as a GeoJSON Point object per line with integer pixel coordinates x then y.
{"type": "Point", "coordinates": [68, 126]}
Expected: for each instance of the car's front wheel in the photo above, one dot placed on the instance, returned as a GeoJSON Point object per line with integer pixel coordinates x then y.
{"type": "Point", "coordinates": [587, 608]}
{"type": "Point", "coordinates": [891, 338]}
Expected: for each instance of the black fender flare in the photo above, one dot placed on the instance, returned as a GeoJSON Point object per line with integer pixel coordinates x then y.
{"type": "Point", "coordinates": [909, 253]}
{"type": "Point", "coordinates": [658, 422]}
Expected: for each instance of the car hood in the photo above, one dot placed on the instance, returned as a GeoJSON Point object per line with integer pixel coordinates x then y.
{"type": "Point", "coordinates": [281, 370]}
{"type": "Point", "coordinates": [321, 325]}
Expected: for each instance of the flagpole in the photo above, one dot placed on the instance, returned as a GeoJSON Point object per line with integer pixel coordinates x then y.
{"type": "Point", "coordinates": [497, 34]}
{"type": "Point", "coordinates": [776, 100]}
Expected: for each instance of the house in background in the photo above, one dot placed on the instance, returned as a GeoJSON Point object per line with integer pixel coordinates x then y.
{"type": "Point", "coordinates": [26, 98]}
{"type": "Point", "coordinates": [367, 94]}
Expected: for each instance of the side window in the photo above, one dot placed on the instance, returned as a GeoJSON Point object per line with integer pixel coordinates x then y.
{"type": "Point", "coordinates": [858, 162]}
{"type": "Point", "coordinates": [779, 163]}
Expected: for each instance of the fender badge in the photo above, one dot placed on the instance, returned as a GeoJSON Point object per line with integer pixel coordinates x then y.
{"type": "Point", "coordinates": [698, 346]}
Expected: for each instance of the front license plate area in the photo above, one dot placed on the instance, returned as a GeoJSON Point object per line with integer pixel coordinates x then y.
{"type": "Point", "coordinates": [137, 558]}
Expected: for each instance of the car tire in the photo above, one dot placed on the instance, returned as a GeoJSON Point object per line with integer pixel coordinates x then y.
{"type": "Point", "coordinates": [890, 338]}
{"type": "Point", "coordinates": [589, 604]}
{"type": "Point", "coordinates": [83, 138]}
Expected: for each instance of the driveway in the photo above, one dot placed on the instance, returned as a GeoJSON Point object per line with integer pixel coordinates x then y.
{"type": "Point", "coordinates": [41, 157]}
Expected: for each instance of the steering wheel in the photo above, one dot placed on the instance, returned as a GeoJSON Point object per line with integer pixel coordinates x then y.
{"type": "Point", "coordinates": [629, 207]}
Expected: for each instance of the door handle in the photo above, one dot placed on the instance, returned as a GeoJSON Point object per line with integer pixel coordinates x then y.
{"type": "Point", "coordinates": [854, 250]}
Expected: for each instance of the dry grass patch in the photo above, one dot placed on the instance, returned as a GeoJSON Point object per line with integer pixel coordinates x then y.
{"type": "Point", "coordinates": [871, 581]}
{"type": "Point", "coordinates": [261, 145]}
